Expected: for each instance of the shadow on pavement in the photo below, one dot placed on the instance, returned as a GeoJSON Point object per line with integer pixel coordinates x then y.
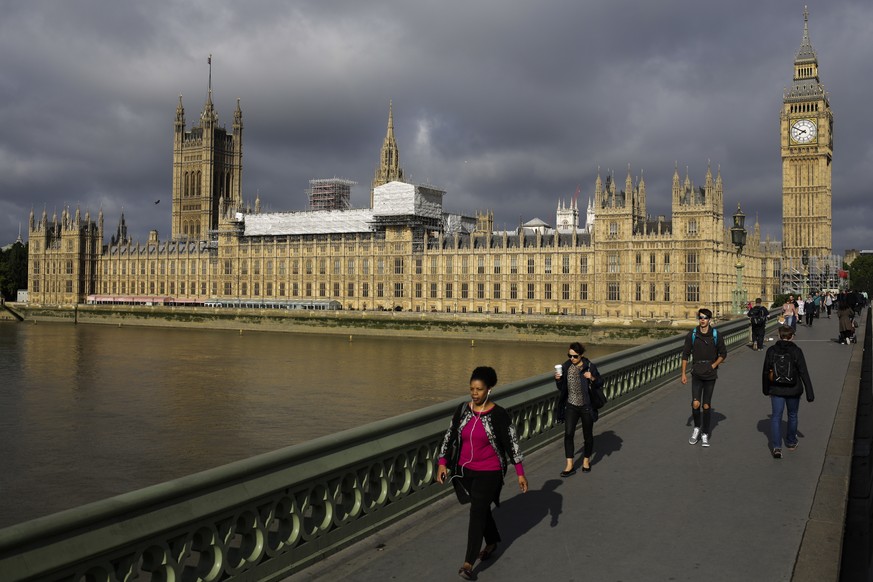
{"type": "Point", "coordinates": [764, 429]}
{"type": "Point", "coordinates": [605, 444]}
{"type": "Point", "coordinates": [714, 419]}
{"type": "Point", "coordinates": [517, 516]}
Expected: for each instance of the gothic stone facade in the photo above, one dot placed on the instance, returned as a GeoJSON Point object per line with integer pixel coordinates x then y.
{"type": "Point", "coordinates": [630, 267]}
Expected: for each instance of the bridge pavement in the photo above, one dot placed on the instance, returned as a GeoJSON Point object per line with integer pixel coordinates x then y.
{"type": "Point", "coordinates": [654, 507]}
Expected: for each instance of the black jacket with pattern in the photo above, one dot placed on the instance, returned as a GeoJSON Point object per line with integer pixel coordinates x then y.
{"type": "Point", "coordinates": [499, 428]}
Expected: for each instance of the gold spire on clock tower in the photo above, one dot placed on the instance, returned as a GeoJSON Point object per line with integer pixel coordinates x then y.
{"type": "Point", "coordinates": [807, 150]}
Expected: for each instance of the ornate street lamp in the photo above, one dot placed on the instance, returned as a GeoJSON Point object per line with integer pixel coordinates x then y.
{"type": "Point", "coordinates": [738, 238]}
{"type": "Point", "coordinates": [805, 260]}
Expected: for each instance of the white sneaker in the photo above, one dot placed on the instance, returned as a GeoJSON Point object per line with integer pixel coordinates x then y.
{"type": "Point", "coordinates": [704, 440]}
{"type": "Point", "coordinates": [695, 436]}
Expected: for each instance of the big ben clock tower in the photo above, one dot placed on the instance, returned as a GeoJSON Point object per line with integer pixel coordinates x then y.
{"type": "Point", "coordinates": [806, 126]}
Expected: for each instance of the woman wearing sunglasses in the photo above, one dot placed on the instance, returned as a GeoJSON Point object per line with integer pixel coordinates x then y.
{"type": "Point", "coordinates": [574, 405]}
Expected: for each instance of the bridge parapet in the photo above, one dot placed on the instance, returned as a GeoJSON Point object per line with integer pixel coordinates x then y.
{"type": "Point", "coordinates": [268, 516]}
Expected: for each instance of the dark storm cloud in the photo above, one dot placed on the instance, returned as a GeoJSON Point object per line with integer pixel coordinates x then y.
{"type": "Point", "coordinates": [506, 108]}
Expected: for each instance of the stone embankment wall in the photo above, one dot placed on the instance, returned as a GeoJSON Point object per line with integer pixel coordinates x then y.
{"type": "Point", "coordinates": [548, 328]}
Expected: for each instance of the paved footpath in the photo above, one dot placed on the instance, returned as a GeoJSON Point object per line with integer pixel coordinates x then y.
{"type": "Point", "coordinates": [654, 507]}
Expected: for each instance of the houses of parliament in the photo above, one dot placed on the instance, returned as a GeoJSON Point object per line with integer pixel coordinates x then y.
{"type": "Point", "coordinates": [404, 252]}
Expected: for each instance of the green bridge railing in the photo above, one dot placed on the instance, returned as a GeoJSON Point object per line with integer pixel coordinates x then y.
{"type": "Point", "coordinates": [266, 517]}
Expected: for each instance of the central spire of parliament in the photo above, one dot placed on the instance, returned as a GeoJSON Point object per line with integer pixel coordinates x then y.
{"type": "Point", "coordinates": [389, 169]}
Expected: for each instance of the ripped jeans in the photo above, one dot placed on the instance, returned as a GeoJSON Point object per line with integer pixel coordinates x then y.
{"type": "Point", "coordinates": [701, 391]}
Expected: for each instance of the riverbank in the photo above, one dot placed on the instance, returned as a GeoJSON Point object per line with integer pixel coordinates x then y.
{"type": "Point", "coordinates": [529, 328]}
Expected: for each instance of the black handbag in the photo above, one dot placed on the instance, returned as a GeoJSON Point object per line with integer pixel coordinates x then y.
{"type": "Point", "coordinates": [460, 490]}
{"type": "Point", "coordinates": [598, 396]}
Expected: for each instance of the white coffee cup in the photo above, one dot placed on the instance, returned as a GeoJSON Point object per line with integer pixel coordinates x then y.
{"type": "Point", "coordinates": [559, 370]}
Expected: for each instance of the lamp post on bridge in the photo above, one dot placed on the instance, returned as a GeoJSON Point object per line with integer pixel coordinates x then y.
{"type": "Point", "coordinates": [808, 278]}
{"type": "Point", "coordinates": [738, 238]}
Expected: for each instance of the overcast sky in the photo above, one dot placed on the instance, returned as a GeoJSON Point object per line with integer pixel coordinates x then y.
{"type": "Point", "coordinates": [505, 106]}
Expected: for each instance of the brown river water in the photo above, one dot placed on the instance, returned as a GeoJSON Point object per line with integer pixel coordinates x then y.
{"type": "Point", "coordinates": [91, 411]}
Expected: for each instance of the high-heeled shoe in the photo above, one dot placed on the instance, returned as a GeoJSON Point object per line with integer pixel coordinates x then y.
{"type": "Point", "coordinates": [586, 469]}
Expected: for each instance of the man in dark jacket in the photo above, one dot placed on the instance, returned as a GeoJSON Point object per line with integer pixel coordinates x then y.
{"type": "Point", "coordinates": [758, 318]}
{"type": "Point", "coordinates": [709, 351]}
{"type": "Point", "coordinates": [784, 379]}
{"type": "Point", "coordinates": [809, 309]}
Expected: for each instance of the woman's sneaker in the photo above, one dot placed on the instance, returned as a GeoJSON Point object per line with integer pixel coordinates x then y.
{"type": "Point", "coordinates": [777, 453]}
{"type": "Point", "coordinates": [704, 438]}
{"type": "Point", "coordinates": [695, 436]}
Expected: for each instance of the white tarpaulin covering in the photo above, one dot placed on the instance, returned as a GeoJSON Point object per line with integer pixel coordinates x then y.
{"type": "Point", "coordinates": [401, 199]}
{"type": "Point", "coordinates": [391, 199]}
{"type": "Point", "coordinates": [314, 222]}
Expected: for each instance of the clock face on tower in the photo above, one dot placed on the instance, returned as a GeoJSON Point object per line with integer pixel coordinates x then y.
{"type": "Point", "coordinates": [803, 131]}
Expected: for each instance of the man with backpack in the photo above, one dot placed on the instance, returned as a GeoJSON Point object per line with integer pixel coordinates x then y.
{"type": "Point", "coordinates": [709, 351]}
{"type": "Point", "coordinates": [784, 379]}
{"type": "Point", "coordinates": [758, 318]}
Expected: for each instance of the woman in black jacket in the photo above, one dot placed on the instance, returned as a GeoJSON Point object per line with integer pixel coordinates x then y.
{"type": "Point", "coordinates": [574, 405]}
{"type": "Point", "coordinates": [784, 379]}
{"type": "Point", "coordinates": [476, 449]}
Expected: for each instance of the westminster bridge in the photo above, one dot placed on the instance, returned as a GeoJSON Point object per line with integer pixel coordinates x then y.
{"type": "Point", "coordinates": [362, 504]}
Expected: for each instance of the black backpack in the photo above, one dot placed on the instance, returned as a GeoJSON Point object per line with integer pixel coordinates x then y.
{"type": "Point", "coordinates": [784, 369]}
{"type": "Point", "coordinates": [757, 317]}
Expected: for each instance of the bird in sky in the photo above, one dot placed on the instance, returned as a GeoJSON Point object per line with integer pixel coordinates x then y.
{"type": "Point", "coordinates": [157, 201]}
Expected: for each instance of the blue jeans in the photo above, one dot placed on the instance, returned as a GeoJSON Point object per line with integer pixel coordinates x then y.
{"type": "Point", "coordinates": [779, 403]}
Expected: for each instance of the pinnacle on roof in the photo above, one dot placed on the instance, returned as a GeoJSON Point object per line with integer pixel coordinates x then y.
{"type": "Point", "coordinates": [208, 108]}
{"type": "Point", "coordinates": [805, 52]}
{"type": "Point", "coordinates": [390, 132]}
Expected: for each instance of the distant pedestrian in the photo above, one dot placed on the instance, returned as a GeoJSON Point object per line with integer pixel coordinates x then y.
{"type": "Point", "coordinates": [846, 317]}
{"type": "Point", "coordinates": [574, 382]}
{"type": "Point", "coordinates": [829, 302]}
{"type": "Point", "coordinates": [789, 312]}
{"type": "Point", "coordinates": [758, 320]}
{"type": "Point", "coordinates": [708, 351]}
{"type": "Point", "coordinates": [784, 379]}
{"type": "Point", "coordinates": [809, 309]}
{"type": "Point", "coordinates": [476, 449]}
{"type": "Point", "coordinates": [854, 301]}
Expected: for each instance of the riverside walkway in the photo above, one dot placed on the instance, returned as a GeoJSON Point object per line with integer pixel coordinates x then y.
{"type": "Point", "coordinates": [654, 507]}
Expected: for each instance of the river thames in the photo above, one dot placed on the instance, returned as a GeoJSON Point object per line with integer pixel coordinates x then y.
{"type": "Point", "coordinates": [91, 411]}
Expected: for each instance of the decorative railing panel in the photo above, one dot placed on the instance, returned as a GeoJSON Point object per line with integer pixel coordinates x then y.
{"type": "Point", "coordinates": [266, 517]}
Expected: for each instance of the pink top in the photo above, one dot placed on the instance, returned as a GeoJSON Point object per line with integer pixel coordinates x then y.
{"type": "Point", "coordinates": [476, 450]}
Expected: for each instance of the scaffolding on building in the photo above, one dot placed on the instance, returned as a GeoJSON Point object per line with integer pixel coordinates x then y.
{"type": "Point", "coordinates": [330, 194]}
{"type": "Point", "coordinates": [807, 274]}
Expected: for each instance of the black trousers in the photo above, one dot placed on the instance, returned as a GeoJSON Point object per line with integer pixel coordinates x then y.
{"type": "Point", "coordinates": [701, 390]}
{"type": "Point", "coordinates": [484, 488]}
{"type": "Point", "coordinates": [809, 315]}
{"type": "Point", "coordinates": [573, 414]}
{"type": "Point", "coordinates": [758, 336]}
